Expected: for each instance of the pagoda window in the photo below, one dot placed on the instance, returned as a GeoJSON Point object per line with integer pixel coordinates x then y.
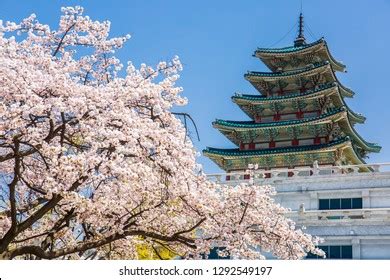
{"type": "Point", "coordinates": [277, 117]}
{"type": "Point", "coordinates": [306, 141]}
{"type": "Point", "coordinates": [251, 146]}
{"type": "Point", "coordinates": [295, 142]}
{"type": "Point", "coordinates": [227, 177]}
{"type": "Point", "coordinates": [258, 146]}
{"type": "Point", "coordinates": [285, 117]}
{"type": "Point", "coordinates": [257, 118]}
{"type": "Point", "coordinates": [262, 145]}
{"type": "Point", "coordinates": [242, 146]}
{"type": "Point", "coordinates": [310, 114]}
{"type": "Point", "coordinates": [272, 144]}
{"type": "Point", "coordinates": [267, 119]}
{"type": "Point", "coordinates": [246, 176]}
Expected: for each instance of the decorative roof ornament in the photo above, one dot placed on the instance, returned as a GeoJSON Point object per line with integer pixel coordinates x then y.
{"type": "Point", "coordinates": [300, 40]}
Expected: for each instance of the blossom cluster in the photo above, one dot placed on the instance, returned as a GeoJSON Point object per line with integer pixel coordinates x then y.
{"type": "Point", "coordinates": [95, 163]}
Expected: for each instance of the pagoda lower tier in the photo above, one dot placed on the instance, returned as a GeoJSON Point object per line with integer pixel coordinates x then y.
{"type": "Point", "coordinates": [338, 152]}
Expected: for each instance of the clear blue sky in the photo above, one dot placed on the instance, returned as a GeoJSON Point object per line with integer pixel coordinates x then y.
{"type": "Point", "coordinates": [216, 39]}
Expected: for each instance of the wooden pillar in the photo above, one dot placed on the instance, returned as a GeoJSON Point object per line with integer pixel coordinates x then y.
{"type": "Point", "coordinates": [277, 117]}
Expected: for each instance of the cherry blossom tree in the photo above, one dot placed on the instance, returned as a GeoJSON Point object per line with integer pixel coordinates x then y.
{"type": "Point", "coordinates": [94, 163]}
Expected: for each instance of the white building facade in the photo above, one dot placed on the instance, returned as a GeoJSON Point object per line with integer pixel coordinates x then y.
{"type": "Point", "coordinates": [349, 209]}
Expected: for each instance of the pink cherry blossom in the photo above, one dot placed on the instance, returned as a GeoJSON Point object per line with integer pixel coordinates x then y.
{"type": "Point", "coordinates": [94, 163]}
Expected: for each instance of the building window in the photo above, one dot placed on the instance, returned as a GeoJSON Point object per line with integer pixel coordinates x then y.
{"type": "Point", "coordinates": [334, 252]}
{"type": "Point", "coordinates": [340, 203]}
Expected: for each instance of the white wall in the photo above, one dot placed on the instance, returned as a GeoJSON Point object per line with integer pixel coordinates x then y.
{"type": "Point", "coordinates": [369, 237]}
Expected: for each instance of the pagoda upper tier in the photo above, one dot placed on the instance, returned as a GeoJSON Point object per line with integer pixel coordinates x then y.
{"type": "Point", "coordinates": [300, 115]}
{"type": "Point", "coordinates": [289, 58]}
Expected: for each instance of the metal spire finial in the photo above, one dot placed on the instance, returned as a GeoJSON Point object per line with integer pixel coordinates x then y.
{"type": "Point", "coordinates": [300, 40]}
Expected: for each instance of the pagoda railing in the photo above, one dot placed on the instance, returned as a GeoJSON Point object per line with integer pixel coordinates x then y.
{"type": "Point", "coordinates": [340, 216]}
{"type": "Point", "coordinates": [296, 173]}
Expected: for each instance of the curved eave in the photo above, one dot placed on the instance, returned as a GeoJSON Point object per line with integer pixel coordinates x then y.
{"type": "Point", "coordinates": [260, 99]}
{"type": "Point", "coordinates": [227, 125]}
{"type": "Point", "coordinates": [337, 65]}
{"type": "Point", "coordinates": [290, 49]}
{"type": "Point", "coordinates": [267, 53]}
{"type": "Point", "coordinates": [272, 76]}
{"type": "Point", "coordinates": [353, 156]}
{"type": "Point", "coordinates": [236, 153]}
{"type": "Point", "coordinates": [345, 92]}
{"type": "Point", "coordinates": [358, 140]}
{"type": "Point", "coordinates": [355, 117]}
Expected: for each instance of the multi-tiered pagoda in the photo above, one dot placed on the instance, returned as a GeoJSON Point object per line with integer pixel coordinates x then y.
{"type": "Point", "coordinates": [299, 117]}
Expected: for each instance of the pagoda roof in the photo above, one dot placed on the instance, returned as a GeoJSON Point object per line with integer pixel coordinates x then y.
{"type": "Point", "coordinates": [289, 49]}
{"type": "Point", "coordinates": [324, 89]}
{"type": "Point", "coordinates": [255, 77]}
{"type": "Point", "coordinates": [312, 67]}
{"type": "Point", "coordinates": [293, 149]}
{"type": "Point", "coordinates": [368, 146]}
{"type": "Point", "coordinates": [244, 125]}
{"type": "Point", "coordinates": [264, 53]}
{"type": "Point", "coordinates": [258, 99]}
